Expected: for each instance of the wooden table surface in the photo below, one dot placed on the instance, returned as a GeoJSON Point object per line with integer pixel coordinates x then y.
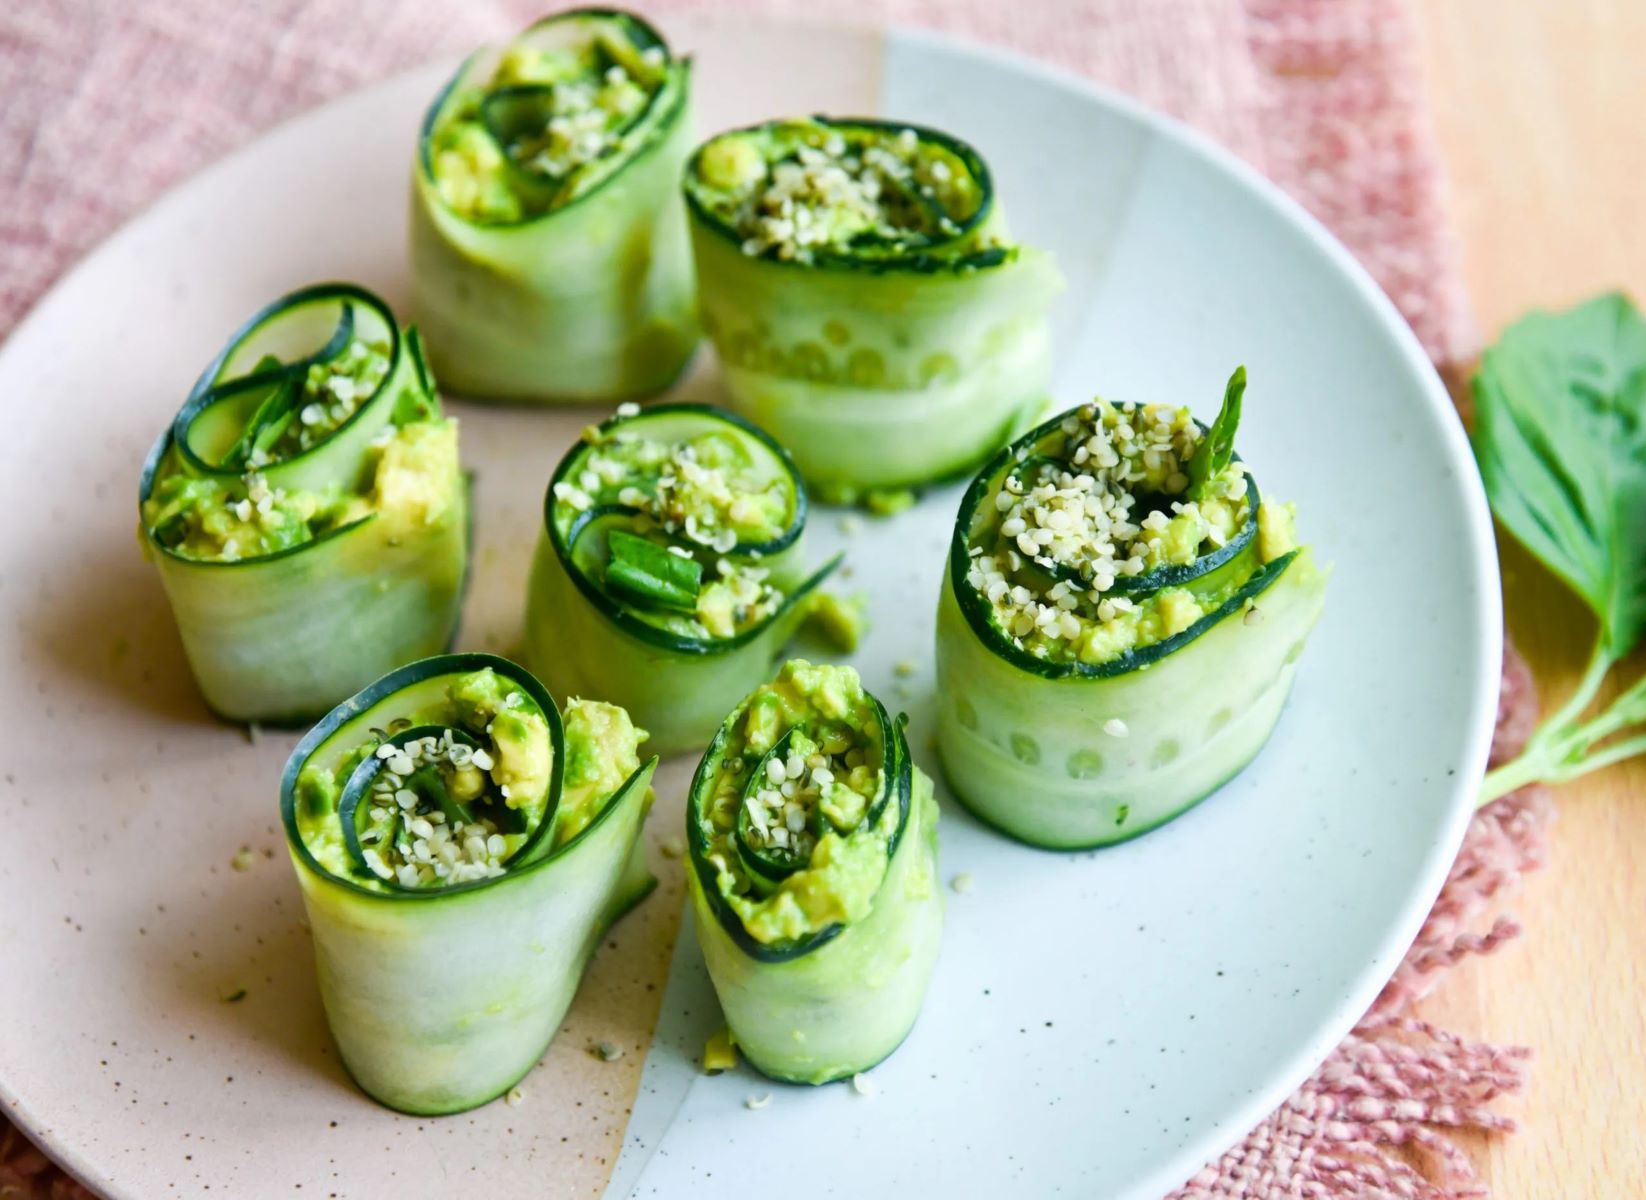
{"type": "Point", "coordinates": [1541, 108]}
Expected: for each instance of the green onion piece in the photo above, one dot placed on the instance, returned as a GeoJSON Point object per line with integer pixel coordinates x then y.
{"type": "Point", "coordinates": [651, 574]}
{"type": "Point", "coordinates": [428, 785]}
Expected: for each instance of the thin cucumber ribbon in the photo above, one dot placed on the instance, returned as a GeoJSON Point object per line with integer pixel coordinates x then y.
{"type": "Point", "coordinates": [586, 636]}
{"type": "Point", "coordinates": [1067, 753]}
{"type": "Point", "coordinates": [840, 998]}
{"type": "Point", "coordinates": [893, 360]}
{"type": "Point", "coordinates": [586, 296]}
{"type": "Point", "coordinates": [279, 636]}
{"type": "Point", "coordinates": [441, 996]}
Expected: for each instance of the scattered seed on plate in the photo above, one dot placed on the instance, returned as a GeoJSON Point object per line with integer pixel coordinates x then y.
{"type": "Point", "coordinates": [244, 860]}
{"type": "Point", "coordinates": [606, 1051]}
{"type": "Point", "coordinates": [515, 1097]}
{"type": "Point", "coordinates": [863, 1085]}
{"type": "Point", "coordinates": [673, 847]}
{"type": "Point", "coordinates": [963, 882]}
{"type": "Point", "coordinates": [759, 1101]}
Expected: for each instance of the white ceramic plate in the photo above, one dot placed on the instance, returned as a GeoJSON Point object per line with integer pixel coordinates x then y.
{"type": "Point", "coordinates": [1100, 1023]}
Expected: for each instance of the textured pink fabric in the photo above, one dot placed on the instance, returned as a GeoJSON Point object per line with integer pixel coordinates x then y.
{"type": "Point", "coordinates": [109, 101]}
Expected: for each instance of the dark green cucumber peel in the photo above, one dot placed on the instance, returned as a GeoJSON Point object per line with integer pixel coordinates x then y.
{"type": "Point", "coordinates": [396, 681]}
{"type": "Point", "coordinates": [977, 610]}
{"type": "Point", "coordinates": [620, 615]}
{"type": "Point", "coordinates": [209, 391]}
{"type": "Point", "coordinates": [919, 262]}
{"type": "Point", "coordinates": [897, 780]}
{"type": "Point", "coordinates": [283, 383]}
{"type": "Point", "coordinates": [205, 392]}
{"type": "Point", "coordinates": [642, 35]}
{"type": "Point", "coordinates": [296, 721]}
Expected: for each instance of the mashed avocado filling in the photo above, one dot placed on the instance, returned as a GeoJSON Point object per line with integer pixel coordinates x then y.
{"type": "Point", "coordinates": [411, 480]}
{"type": "Point", "coordinates": [797, 821]}
{"type": "Point", "coordinates": [675, 525]}
{"type": "Point", "coordinates": [410, 475]}
{"type": "Point", "coordinates": [454, 790]}
{"type": "Point", "coordinates": [552, 121]}
{"type": "Point", "coordinates": [1076, 550]}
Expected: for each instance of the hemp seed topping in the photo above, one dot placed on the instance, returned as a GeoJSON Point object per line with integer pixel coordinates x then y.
{"type": "Point", "coordinates": [1108, 503]}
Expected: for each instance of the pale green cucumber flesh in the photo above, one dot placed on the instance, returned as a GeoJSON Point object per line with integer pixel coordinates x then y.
{"type": "Point", "coordinates": [1032, 754]}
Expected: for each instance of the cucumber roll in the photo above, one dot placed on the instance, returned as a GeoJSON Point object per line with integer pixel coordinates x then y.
{"type": "Point", "coordinates": [1120, 623]}
{"type": "Point", "coordinates": [306, 510]}
{"type": "Point", "coordinates": [549, 258]}
{"type": "Point", "coordinates": [461, 850]}
{"type": "Point", "coordinates": [867, 303]}
{"type": "Point", "coordinates": [813, 876]}
{"type": "Point", "coordinates": [671, 569]}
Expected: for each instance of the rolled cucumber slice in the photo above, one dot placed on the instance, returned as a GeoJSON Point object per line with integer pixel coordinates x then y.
{"type": "Point", "coordinates": [461, 850]}
{"type": "Point", "coordinates": [822, 952]}
{"type": "Point", "coordinates": [867, 303]}
{"type": "Point", "coordinates": [1141, 655]}
{"type": "Point", "coordinates": [549, 257]}
{"type": "Point", "coordinates": [306, 510]}
{"type": "Point", "coordinates": [682, 482]}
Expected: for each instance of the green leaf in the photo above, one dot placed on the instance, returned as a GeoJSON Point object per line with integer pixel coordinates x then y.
{"type": "Point", "coordinates": [1217, 447]}
{"type": "Point", "coordinates": [273, 405]}
{"type": "Point", "coordinates": [651, 574]}
{"type": "Point", "coordinates": [1560, 436]}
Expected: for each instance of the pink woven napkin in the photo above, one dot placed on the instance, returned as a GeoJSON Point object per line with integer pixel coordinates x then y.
{"type": "Point", "coordinates": [109, 101]}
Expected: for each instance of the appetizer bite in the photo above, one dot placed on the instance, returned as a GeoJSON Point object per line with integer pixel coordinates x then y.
{"type": "Point", "coordinates": [868, 305]}
{"type": "Point", "coordinates": [1120, 624]}
{"type": "Point", "coordinates": [671, 570]}
{"type": "Point", "coordinates": [548, 243]}
{"type": "Point", "coordinates": [461, 851]}
{"type": "Point", "coordinates": [813, 875]}
{"type": "Point", "coordinates": [306, 510]}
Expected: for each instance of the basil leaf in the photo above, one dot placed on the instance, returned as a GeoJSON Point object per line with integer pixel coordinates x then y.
{"type": "Point", "coordinates": [1217, 447]}
{"type": "Point", "coordinates": [651, 574]}
{"type": "Point", "coordinates": [1560, 436]}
